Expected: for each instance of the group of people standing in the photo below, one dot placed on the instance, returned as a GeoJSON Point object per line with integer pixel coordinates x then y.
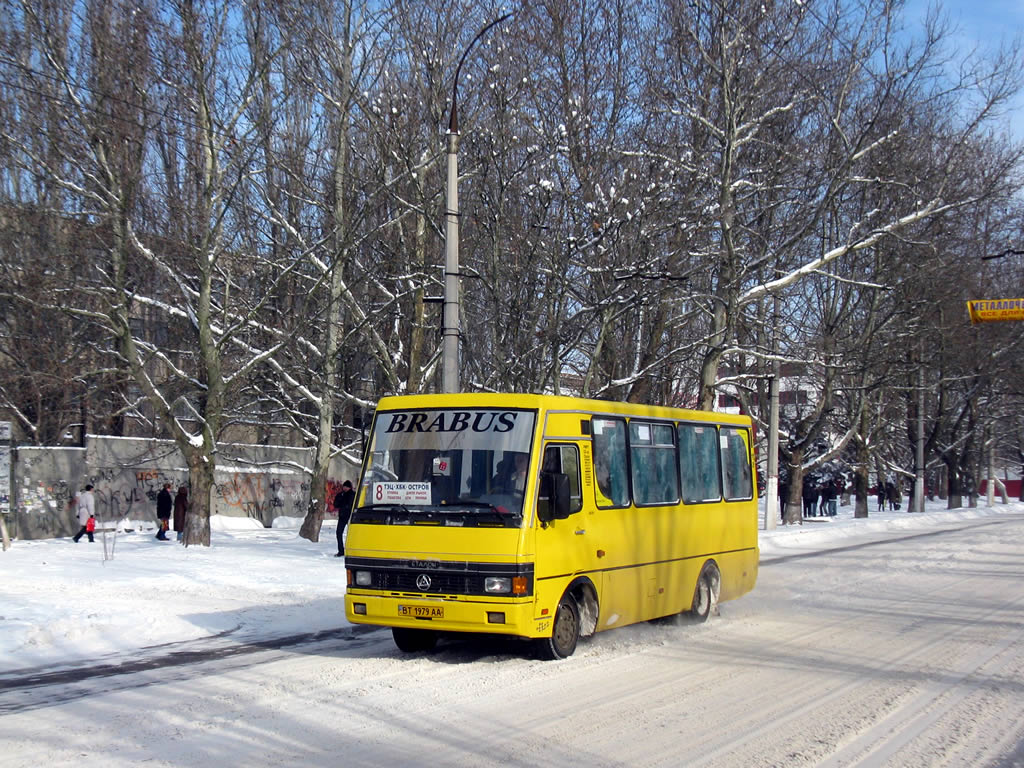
{"type": "Point", "coordinates": [888, 493]}
{"type": "Point", "coordinates": [165, 507]}
{"type": "Point", "coordinates": [820, 498]}
{"type": "Point", "coordinates": [169, 511]}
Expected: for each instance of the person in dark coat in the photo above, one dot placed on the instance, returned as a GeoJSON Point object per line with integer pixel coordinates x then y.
{"type": "Point", "coordinates": [890, 494]}
{"type": "Point", "coordinates": [343, 505]}
{"type": "Point", "coordinates": [833, 498]}
{"type": "Point", "coordinates": [180, 510]}
{"type": "Point", "coordinates": [810, 496]}
{"type": "Point", "coordinates": [164, 505]}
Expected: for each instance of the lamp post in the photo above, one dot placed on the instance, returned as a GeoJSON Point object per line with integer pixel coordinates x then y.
{"type": "Point", "coordinates": [450, 330]}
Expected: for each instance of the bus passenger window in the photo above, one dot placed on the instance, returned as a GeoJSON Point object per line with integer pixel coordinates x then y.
{"type": "Point", "coordinates": [652, 453]}
{"type": "Point", "coordinates": [698, 463]}
{"type": "Point", "coordinates": [736, 464]}
{"type": "Point", "coordinates": [609, 457]}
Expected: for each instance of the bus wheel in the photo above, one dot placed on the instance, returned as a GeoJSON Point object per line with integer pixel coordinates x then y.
{"type": "Point", "coordinates": [565, 634]}
{"type": "Point", "coordinates": [704, 594]}
{"type": "Point", "coordinates": [412, 640]}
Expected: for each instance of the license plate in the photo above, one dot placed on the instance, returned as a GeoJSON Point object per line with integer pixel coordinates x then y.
{"type": "Point", "coordinates": [421, 611]}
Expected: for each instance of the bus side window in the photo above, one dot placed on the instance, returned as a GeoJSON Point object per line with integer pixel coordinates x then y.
{"type": "Point", "coordinates": [653, 462]}
{"type": "Point", "coordinates": [609, 457]}
{"type": "Point", "coordinates": [563, 459]}
{"type": "Point", "coordinates": [736, 465]}
{"type": "Point", "coordinates": [698, 462]}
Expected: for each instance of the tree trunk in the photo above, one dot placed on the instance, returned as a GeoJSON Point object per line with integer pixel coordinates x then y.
{"type": "Point", "coordinates": [954, 498]}
{"type": "Point", "coordinates": [200, 477]}
{"type": "Point", "coordinates": [861, 481]}
{"type": "Point", "coordinates": [794, 510]}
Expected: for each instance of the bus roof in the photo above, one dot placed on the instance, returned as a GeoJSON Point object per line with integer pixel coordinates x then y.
{"type": "Point", "coordinates": [552, 403]}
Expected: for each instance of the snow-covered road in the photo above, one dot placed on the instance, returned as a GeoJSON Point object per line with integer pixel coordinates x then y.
{"type": "Point", "coordinates": [894, 650]}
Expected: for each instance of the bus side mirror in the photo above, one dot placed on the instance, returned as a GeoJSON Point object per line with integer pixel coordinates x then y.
{"type": "Point", "coordinates": [554, 497]}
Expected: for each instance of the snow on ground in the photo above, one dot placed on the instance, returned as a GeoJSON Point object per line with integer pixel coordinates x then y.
{"type": "Point", "coordinates": [64, 603]}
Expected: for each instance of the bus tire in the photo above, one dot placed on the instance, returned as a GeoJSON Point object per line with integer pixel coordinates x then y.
{"type": "Point", "coordinates": [704, 594]}
{"type": "Point", "coordinates": [413, 640]}
{"type": "Point", "coordinates": [564, 634]}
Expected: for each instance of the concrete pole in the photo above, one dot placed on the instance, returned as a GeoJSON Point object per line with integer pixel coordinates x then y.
{"type": "Point", "coordinates": [919, 457]}
{"type": "Point", "coordinates": [771, 506]}
{"type": "Point", "coordinates": [990, 486]}
{"type": "Point", "coordinates": [771, 503]}
{"type": "Point", "coordinates": [450, 333]}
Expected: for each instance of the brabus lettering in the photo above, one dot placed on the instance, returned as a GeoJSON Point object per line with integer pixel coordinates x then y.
{"type": "Point", "coordinates": [456, 421]}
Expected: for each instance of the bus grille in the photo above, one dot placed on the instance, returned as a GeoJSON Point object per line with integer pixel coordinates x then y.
{"type": "Point", "coordinates": [445, 578]}
{"type": "Point", "coordinates": [440, 583]}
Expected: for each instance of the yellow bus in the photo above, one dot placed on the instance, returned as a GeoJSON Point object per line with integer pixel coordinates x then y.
{"type": "Point", "coordinates": [547, 518]}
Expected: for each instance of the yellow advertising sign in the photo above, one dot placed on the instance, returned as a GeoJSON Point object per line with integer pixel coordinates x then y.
{"type": "Point", "coordinates": [995, 310]}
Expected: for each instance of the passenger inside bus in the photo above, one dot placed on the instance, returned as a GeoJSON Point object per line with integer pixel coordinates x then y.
{"type": "Point", "coordinates": [511, 474]}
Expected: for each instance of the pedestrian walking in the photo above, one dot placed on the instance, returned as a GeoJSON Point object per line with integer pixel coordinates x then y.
{"type": "Point", "coordinates": [180, 511]}
{"type": "Point", "coordinates": [164, 506]}
{"type": "Point", "coordinates": [343, 501]}
{"type": "Point", "coordinates": [85, 508]}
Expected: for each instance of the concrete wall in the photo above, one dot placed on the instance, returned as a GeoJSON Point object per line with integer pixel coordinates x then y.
{"type": "Point", "coordinates": [41, 483]}
{"type": "Point", "coordinates": [260, 482]}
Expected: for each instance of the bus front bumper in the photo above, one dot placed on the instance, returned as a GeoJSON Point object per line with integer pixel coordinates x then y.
{"type": "Point", "coordinates": [461, 615]}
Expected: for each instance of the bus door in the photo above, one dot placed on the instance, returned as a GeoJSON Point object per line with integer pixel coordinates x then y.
{"type": "Point", "coordinates": [564, 548]}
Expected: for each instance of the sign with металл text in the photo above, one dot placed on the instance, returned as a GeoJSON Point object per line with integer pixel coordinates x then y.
{"type": "Point", "coordinates": [995, 310]}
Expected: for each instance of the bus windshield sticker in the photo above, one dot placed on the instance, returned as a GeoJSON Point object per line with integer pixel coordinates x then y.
{"type": "Point", "coordinates": [400, 493]}
{"type": "Point", "coordinates": [442, 466]}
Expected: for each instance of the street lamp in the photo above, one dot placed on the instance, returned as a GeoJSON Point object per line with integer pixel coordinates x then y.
{"type": "Point", "coordinates": [450, 330]}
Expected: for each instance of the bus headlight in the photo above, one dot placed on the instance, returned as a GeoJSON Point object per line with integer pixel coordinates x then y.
{"type": "Point", "coordinates": [364, 578]}
{"type": "Point", "coordinates": [498, 584]}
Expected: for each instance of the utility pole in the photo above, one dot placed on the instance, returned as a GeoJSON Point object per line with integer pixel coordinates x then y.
{"type": "Point", "coordinates": [450, 333]}
{"type": "Point", "coordinates": [771, 503]}
{"type": "Point", "coordinates": [919, 455]}
{"type": "Point", "coordinates": [451, 330]}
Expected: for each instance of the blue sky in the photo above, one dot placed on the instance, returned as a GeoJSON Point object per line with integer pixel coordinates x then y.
{"type": "Point", "coordinates": [985, 23]}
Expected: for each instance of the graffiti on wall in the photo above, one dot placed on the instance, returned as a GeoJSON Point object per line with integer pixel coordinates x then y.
{"type": "Point", "coordinates": [262, 496]}
{"type": "Point", "coordinates": [131, 494]}
{"type": "Point", "coordinates": [333, 489]}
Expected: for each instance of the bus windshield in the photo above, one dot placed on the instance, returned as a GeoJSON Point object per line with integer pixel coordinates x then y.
{"type": "Point", "coordinates": [461, 467]}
